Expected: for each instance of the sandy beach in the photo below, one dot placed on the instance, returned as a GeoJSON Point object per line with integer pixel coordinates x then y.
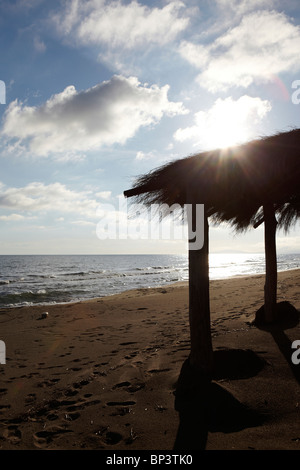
{"type": "Point", "coordinates": [102, 374]}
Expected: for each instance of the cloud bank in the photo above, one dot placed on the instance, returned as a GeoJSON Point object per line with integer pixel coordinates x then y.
{"type": "Point", "coordinates": [117, 24]}
{"type": "Point", "coordinates": [263, 45]}
{"type": "Point", "coordinates": [77, 121]}
{"type": "Point", "coordinates": [39, 197]}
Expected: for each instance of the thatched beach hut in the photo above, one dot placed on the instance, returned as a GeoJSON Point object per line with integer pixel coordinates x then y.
{"type": "Point", "coordinates": [242, 185]}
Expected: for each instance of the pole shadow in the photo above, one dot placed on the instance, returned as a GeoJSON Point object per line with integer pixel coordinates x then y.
{"type": "Point", "coordinates": [287, 317]}
{"type": "Point", "coordinates": [204, 406]}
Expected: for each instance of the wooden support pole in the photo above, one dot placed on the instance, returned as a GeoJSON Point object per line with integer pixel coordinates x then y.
{"type": "Point", "coordinates": [201, 354]}
{"type": "Point", "coordinates": [271, 263]}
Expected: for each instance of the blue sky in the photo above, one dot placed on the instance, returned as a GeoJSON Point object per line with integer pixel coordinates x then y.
{"type": "Point", "coordinates": [98, 92]}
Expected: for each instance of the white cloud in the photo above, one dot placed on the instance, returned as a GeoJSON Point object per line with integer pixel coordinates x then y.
{"type": "Point", "coordinates": [39, 197]}
{"type": "Point", "coordinates": [120, 25]}
{"type": "Point", "coordinates": [39, 45]}
{"type": "Point", "coordinates": [12, 218]}
{"type": "Point", "coordinates": [263, 45]}
{"type": "Point", "coordinates": [144, 156]}
{"type": "Point", "coordinates": [76, 121]}
{"type": "Point", "coordinates": [240, 7]}
{"type": "Point", "coordinates": [289, 243]}
{"type": "Point", "coordinates": [227, 122]}
{"type": "Point", "coordinates": [104, 194]}
{"type": "Point", "coordinates": [196, 54]}
{"type": "Point", "coordinates": [83, 223]}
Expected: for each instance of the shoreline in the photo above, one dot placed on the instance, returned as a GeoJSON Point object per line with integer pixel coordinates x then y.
{"type": "Point", "coordinates": [175, 283]}
{"type": "Point", "coordinates": [102, 373]}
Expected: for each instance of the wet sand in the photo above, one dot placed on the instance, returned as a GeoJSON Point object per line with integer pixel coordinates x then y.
{"type": "Point", "coordinates": [103, 374]}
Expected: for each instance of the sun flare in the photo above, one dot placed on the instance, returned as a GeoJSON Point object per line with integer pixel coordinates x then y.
{"type": "Point", "coordinates": [227, 123]}
{"type": "Point", "coordinates": [227, 134]}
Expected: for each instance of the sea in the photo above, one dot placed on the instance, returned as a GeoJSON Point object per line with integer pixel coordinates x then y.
{"type": "Point", "coordinates": [49, 279]}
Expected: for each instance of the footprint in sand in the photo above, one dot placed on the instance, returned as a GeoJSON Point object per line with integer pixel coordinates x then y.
{"type": "Point", "coordinates": [31, 397]}
{"type": "Point", "coordinates": [48, 383]}
{"type": "Point", "coordinates": [129, 387]}
{"type": "Point", "coordinates": [121, 403]}
{"type": "Point", "coordinates": [122, 411]}
{"type": "Point", "coordinates": [112, 438]}
{"type": "Point", "coordinates": [82, 383]}
{"type": "Point", "coordinates": [44, 438]}
{"type": "Point", "coordinates": [109, 437]}
{"type": "Point", "coordinates": [12, 434]}
{"type": "Point", "coordinates": [72, 416]}
{"type": "Point", "coordinates": [131, 355]}
{"type": "Point", "coordinates": [127, 343]}
{"type": "Point", "coordinates": [71, 392]}
{"type": "Point", "coordinates": [81, 405]}
{"type": "Point", "coordinates": [121, 384]}
{"type": "Point", "coordinates": [52, 417]}
{"type": "Point", "coordinates": [157, 371]}
{"type": "Point", "coordinates": [5, 407]}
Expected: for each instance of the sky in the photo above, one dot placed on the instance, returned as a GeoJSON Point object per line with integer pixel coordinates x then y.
{"type": "Point", "coordinates": [95, 93]}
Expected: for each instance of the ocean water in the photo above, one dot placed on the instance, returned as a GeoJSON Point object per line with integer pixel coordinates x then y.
{"type": "Point", "coordinates": [48, 279]}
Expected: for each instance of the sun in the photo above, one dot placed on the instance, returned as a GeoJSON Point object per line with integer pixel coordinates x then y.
{"type": "Point", "coordinates": [226, 134]}
{"type": "Point", "coordinates": [231, 121]}
{"type": "Point", "coordinates": [228, 123]}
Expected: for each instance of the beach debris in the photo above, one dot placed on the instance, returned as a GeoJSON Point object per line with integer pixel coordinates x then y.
{"type": "Point", "coordinates": [44, 315]}
{"type": "Point", "coordinates": [133, 436]}
{"type": "Point", "coordinates": [160, 408]}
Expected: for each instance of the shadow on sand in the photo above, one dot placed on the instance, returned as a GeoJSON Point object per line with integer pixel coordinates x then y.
{"type": "Point", "coordinates": [204, 406]}
{"type": "Point", "coordinates": [287, 316]}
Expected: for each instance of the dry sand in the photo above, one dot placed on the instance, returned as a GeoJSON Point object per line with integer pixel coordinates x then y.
{"type": "Point", "coordinates": [102, 374]}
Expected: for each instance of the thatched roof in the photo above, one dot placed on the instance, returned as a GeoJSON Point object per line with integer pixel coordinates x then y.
{"type": "Point", "coordinates": [233, 183]}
